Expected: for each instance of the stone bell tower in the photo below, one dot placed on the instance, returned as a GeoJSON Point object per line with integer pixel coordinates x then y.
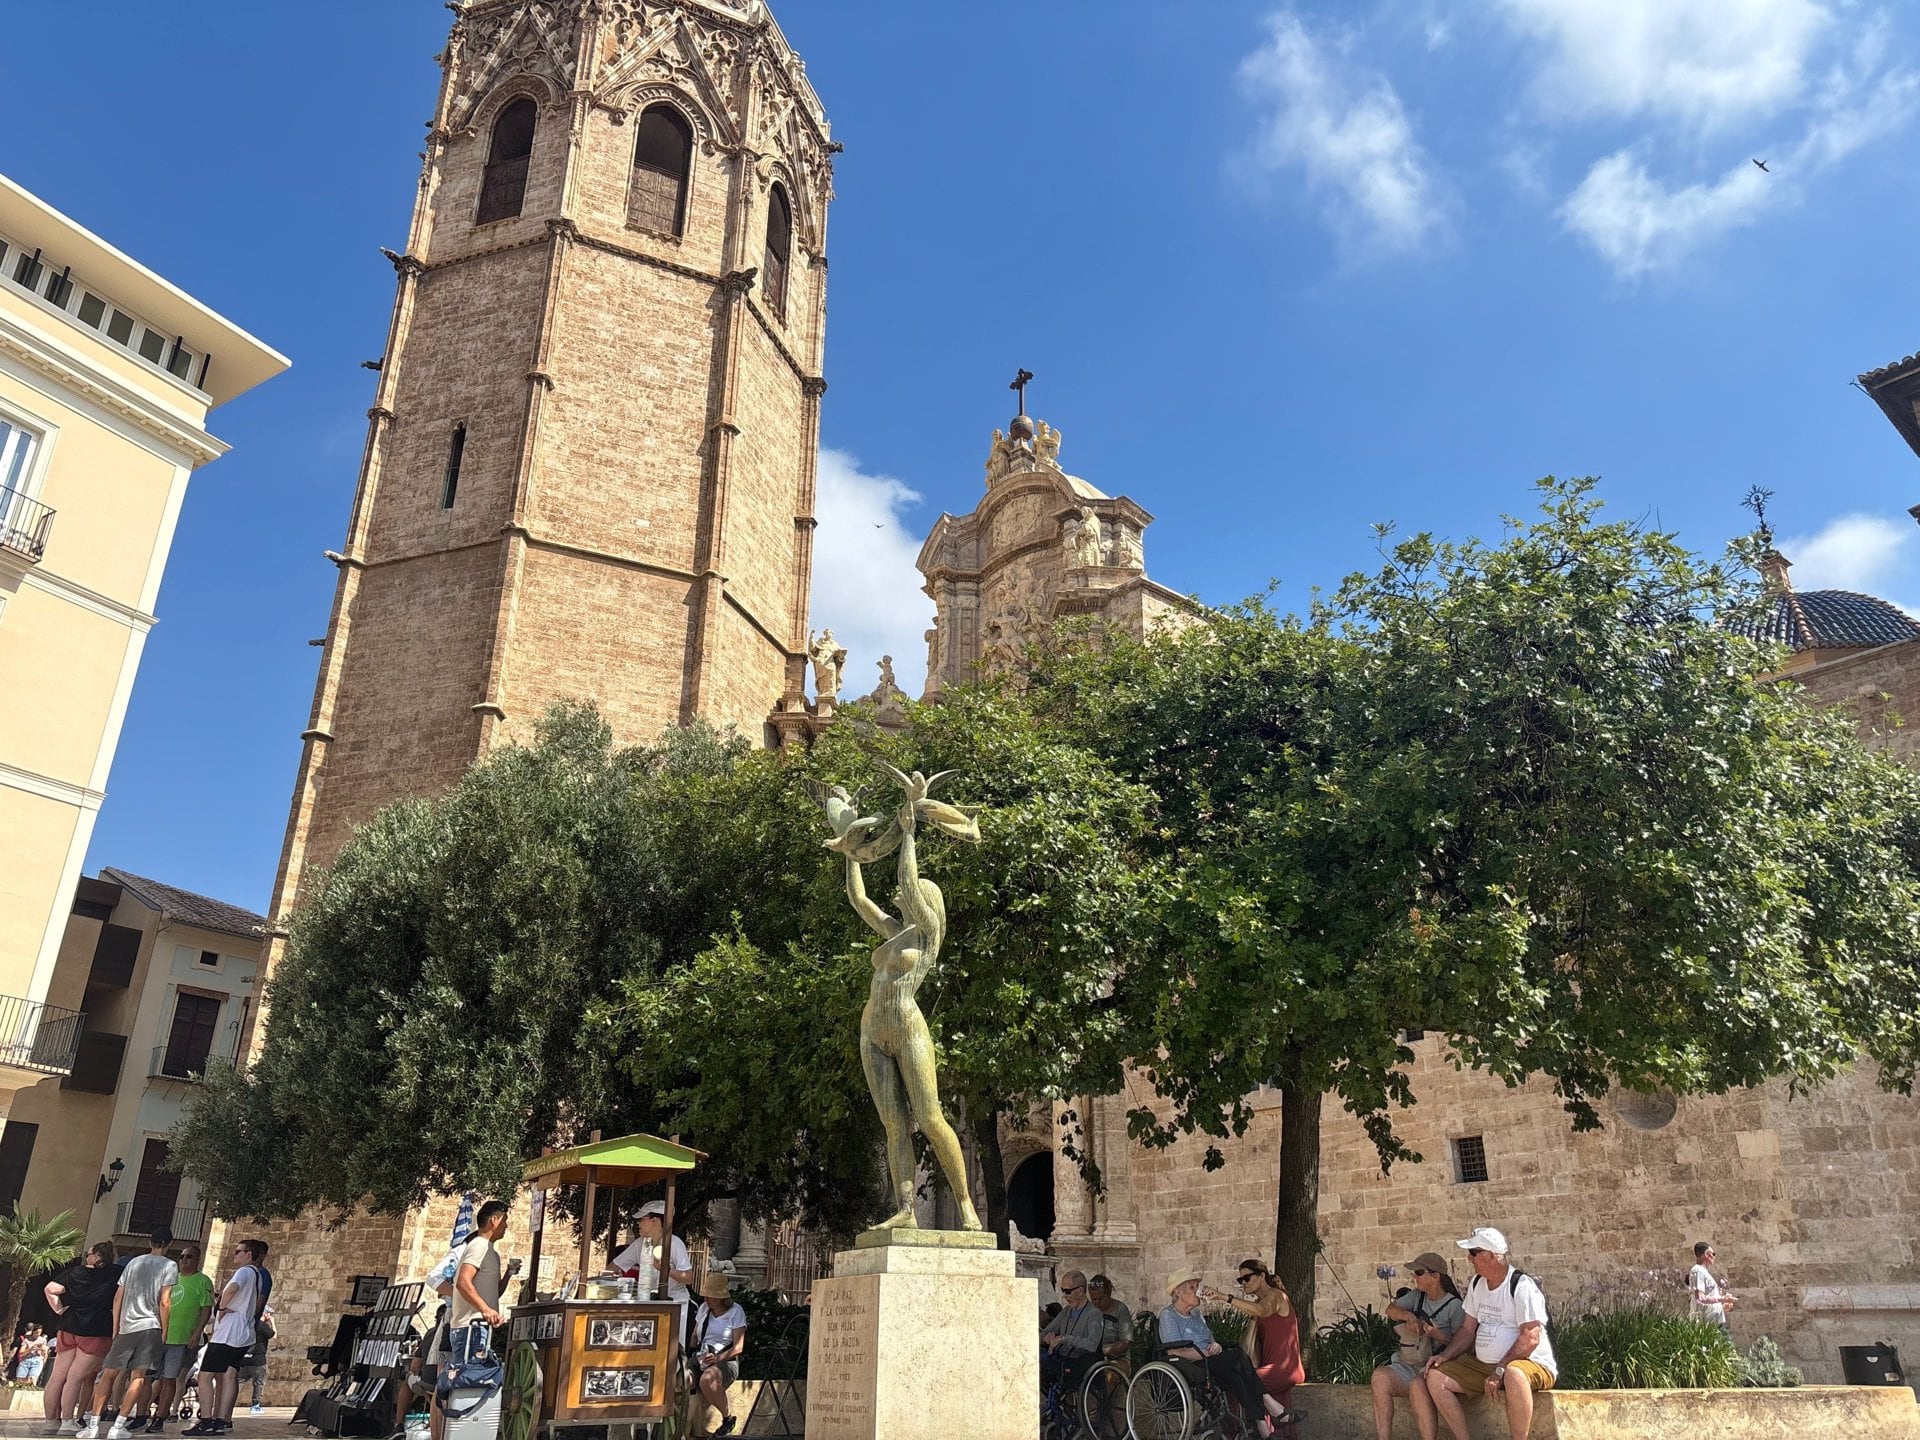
{"type": "Point", "coordinates": [590, 465]}
{"type": "Point", "coordinates": [590, 468]}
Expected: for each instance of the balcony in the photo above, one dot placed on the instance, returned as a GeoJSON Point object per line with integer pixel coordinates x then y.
{"type": "Point", "coordinates": [131, 1218]}
{"type": "Point", "coordinates": [36, 1037]}
{"type": "Point", "coordinates": [182, 1066]}
{"type": "Point", "coordinates": [24, 526]}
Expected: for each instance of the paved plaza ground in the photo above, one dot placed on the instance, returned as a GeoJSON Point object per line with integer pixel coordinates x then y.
{"type": "Point", "coordinates": [270, 1423]}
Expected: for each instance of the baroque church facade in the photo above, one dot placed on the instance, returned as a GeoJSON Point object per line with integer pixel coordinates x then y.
{"type": "Point", "coordinates": [589, 471]}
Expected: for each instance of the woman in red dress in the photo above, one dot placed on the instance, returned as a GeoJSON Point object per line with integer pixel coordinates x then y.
{"type": "Point", "coordinates": [1275, 1337]}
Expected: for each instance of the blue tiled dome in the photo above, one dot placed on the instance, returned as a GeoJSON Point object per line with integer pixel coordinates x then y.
{"type": "Point", "coordinates": [1832, 620]}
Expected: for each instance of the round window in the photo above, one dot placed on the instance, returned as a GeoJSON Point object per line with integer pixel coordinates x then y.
{"type": "Point", "coordinates": [1645, 1112]}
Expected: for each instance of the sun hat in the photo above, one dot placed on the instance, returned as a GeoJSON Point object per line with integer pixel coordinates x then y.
{"type": "Point", "coordinates": [1428, 1261]}
{"type": "Point", "coordinates": [1485, 1238]}
{"type": "Point", "coordinates": [1177, 1278]}
{"type": "Point", "coordinates": [714, 1287]}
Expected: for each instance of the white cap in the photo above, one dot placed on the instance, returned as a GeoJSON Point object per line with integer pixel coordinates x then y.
{"type": "Point", "coordinates": [659, 1207]}
{"type": "Point", "coordinates": [1485, 1238]}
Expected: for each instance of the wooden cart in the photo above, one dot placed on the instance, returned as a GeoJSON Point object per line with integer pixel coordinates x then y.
{"type": "Point", "coordinates": [597, 1362]}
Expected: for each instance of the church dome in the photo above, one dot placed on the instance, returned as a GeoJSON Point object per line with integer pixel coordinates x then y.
{"type": "Point", "coordinates": [1831, 620]}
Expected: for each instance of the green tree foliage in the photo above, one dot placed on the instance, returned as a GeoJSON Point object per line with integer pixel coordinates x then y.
{"type": "Point", "coordinates": [1534, 796]}
{"type": "Point", "coordinates": [30, 1246]}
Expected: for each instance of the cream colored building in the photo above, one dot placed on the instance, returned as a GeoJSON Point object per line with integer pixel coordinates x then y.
{"type": "Point", "coordinates": [107, 373]}
{"type": "Point", "coordinates": [167, 980]}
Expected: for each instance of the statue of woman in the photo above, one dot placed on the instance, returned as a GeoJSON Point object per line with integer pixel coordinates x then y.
{"type": "Point", "coordinates": [896, 1049]}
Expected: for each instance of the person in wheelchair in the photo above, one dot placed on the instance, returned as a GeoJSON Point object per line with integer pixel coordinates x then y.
{"type": "Point", "coordinates": [1116, 1320]}
{"type": "Point", "coordinates": [1072, 1340]}
{"type": "Point", "coordinates": [1184, 1337]}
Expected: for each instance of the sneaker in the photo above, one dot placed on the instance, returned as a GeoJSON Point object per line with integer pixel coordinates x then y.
{"type": "Point", "coordinates": [257, 1410]}
{"type": "Point", "coordinates": [120, 1431]}
{"type": "Point", "coordinates": [202, 1427]}
{"type": "Point", "coordinates": [157, 1425]}
{"type": "Point", "coordinates": [68, 1427]}
{"type": "Point", "coordinates": [726, 1426]}
{"type": "Point", "coordinates": [90, 1430]}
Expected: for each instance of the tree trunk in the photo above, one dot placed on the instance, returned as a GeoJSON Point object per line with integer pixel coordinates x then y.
{"type": "Point", "coordinates": [16, 1294]}
{"type": "Point", "coordinates": [984, 1121]}
{"type": "Point", "coordinates": [1296, 1229]}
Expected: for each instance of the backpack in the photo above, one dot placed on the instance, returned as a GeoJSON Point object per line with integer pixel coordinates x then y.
{"type": "Point", "coordinates": [1514, 1276]}
{"type": "Point", "coordinates": [473, 1366]}
{"type": "Point", "coordinates": [263, 1291]}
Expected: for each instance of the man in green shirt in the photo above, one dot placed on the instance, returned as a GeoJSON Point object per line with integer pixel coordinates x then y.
{"type": "Point", "coordinates": [186, 1327]}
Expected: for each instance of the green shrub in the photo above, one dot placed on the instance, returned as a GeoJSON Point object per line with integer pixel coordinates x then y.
{"type": "Point", "coordinates": [1644, 1346]}
{"type": "Point", "coordinates": [1348, 1351]}
{"type": "Point", "coordinates": [776, 1336]}
{"type": "Point", "coordinates": [1765, 1368]}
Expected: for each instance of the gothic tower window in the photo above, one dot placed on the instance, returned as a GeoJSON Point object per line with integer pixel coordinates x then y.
{"type": "Point", "coordinates": [779, 251]}
{"type": "Point", "coordinates": [504, 189]}
{"type": "Point", "coordinates": [662, 162]}
{"type": "Point", "coordinates": [456, 452]}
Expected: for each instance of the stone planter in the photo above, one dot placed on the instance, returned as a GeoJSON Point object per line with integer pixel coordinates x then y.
{"type": "Point", "coordinates": [24, 1402]}
{"type": "Point", "coordinates": [1811, 1412]}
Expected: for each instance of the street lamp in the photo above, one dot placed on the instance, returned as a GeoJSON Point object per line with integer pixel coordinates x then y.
{"type": "Point", "coordinates": [110, 1179]}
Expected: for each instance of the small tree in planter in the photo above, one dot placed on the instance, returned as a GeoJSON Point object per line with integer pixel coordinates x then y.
{"type": "Point", "coordinates": [29, 1245]}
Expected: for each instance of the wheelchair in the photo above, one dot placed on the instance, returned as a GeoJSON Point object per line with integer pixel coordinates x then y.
{"type": "Point", "coordinates": [1169, 1399]}
{"type": "Point", "coordinates": [1097, 1407]}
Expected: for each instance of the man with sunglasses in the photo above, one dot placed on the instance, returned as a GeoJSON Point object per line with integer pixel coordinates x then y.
{"type": "Point", "coordinates": [1072, 1338]}
{"type": "Point", "coordinates": [1506, 1326]}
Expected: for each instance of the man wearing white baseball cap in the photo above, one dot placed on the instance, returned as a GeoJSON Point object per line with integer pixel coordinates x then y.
{"type": "Point", "coordinates": [642, 1257]}
{"type": "Point", "coordinates": [1506, 1327]}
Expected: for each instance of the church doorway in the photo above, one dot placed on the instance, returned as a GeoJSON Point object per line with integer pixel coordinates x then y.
{"type": "Point", "coordinates": [1030, 1196]}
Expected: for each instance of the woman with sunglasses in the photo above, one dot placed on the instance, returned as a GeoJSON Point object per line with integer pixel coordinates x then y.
{"type": "Point", "coordinates": [1273, 1337]}
{"type": "Point", "coordinates": [1427, 1314]}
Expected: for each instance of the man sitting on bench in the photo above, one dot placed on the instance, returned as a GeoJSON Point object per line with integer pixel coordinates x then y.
{"type": "Point", "coordinates": [1184, 1336]}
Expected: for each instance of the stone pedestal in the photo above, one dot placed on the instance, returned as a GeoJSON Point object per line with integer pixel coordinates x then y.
{"type": "Point", "coordinates": [924, 1335]}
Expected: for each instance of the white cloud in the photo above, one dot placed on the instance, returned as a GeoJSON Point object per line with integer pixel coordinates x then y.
{"type": "Point", "coordinates": [1345, 129]}
{"type": "Point", "coordinates": [1638, 223]}
{"type": "Point", "coordinates": [1853, 552]}
{"type": "Point", "coordinates": [1707, 62]}
{"type": "Point", "coordinates": [866, 588]}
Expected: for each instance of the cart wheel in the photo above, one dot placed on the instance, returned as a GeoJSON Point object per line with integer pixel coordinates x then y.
{"type": "Point", "coordinates": [520, 1393]}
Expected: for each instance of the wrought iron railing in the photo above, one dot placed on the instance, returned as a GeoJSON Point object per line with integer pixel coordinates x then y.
{"type": "Point", "coordinates": [187, 1222]}
{"type": "Point", "coordinates": [24, 525]}
{"type": "Point", "coordinates": [34, 1036]}
{"type": "Point", "coordinates": [180, 1065]}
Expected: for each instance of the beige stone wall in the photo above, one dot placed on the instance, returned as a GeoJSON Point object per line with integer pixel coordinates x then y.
{"type": "Point", "coordinates": [1881, 690]}
{"type": "Point", "coordinates": [1813, 1205]}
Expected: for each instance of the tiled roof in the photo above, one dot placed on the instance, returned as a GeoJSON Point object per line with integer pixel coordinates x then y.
{"type": "Point", "coordinates": [1833, 620]}
{"type": "Point", "coordinates": [1884, 371]}
{"type": "Point", "coordinates": [199, 911]}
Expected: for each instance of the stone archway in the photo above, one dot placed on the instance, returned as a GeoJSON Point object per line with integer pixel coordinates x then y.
{"type": "Point", "coordinates": [1030, 1196]}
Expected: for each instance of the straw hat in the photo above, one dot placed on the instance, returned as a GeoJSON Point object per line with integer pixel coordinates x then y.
{"type": "Point", "coordinates": [714, 1287]}
{"type": "Point", "coordinates": [1177, 1278]}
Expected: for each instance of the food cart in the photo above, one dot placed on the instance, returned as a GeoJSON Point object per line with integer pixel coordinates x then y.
{"type": "Point", "coordinates": [588, 1355]}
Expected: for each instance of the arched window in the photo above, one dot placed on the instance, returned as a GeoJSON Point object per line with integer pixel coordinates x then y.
{"type": "Point", "coordinates": [662, 161]}
{"type": "Point", "coordinates": [779, 251]}
{"type": "Point", "coordinates": [504, 189]}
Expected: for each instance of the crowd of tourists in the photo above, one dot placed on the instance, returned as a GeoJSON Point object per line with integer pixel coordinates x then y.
{"type": "Point", "coordinates": [145, 1342]}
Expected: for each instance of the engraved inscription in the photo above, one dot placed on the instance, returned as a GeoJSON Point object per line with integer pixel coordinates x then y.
{"type": "Point", "coordinates": [841, 1375]}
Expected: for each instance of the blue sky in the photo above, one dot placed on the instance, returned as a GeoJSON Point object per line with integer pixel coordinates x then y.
{"type": "Point", "coordinates": [1282, 271]}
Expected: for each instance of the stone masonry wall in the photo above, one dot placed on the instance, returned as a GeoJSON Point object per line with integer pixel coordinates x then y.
{"type": "Point", "coordinates": [1881, 690]}
{"type": "Point", "coordinates": [1813, 1205]}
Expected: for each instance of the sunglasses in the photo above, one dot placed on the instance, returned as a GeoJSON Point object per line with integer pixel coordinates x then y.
{"type": "Point", "coordinates": [1418, 1272]}
{"type": "Point", "coordinates": [1472, 1253]}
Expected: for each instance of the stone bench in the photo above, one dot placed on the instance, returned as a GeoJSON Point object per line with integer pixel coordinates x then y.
{"type": "Point", "coordinates": [1810, 1412]}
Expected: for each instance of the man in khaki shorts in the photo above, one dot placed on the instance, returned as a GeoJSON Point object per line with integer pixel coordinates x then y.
{"type": "Point", "coordinates": [1506, 1328]}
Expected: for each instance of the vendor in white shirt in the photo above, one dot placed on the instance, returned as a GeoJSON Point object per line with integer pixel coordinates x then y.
{"type": "Point", "coordinates": [642, 1257]}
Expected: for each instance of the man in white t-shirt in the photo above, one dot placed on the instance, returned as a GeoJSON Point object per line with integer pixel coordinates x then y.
{"type": "Point", "coordinates": [1709, 1300]}
{"type": "Point", "coordinates": [476, 1291]}
{"type": "Point", "coordinates": [642, 1257]}
{"type": "Point", "coordinates": [1506, 1326]}
{"type": "Point", "coordinates": [239, 1305]}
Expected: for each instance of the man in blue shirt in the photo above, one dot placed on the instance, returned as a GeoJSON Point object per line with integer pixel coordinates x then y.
{"type": "Point", "coordinates": [1185, 1336]}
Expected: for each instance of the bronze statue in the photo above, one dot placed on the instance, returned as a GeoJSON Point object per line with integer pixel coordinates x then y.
{"type": "Point", "coordinates": [896, 1050]}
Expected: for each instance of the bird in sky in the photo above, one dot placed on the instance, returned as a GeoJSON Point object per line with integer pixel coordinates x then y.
{"type": "Point", "coordinates": [1763, 165]}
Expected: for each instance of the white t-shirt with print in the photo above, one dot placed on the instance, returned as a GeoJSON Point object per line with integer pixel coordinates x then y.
{"type": "Point", "coordinates": [1706, 1291]}
{"type": "Point", "coordinates": [714, 1331]}
{"type": "Point", "coordinates": [643, 1256]}
{"type": "Point", "coordinates": [1500, 1312]}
